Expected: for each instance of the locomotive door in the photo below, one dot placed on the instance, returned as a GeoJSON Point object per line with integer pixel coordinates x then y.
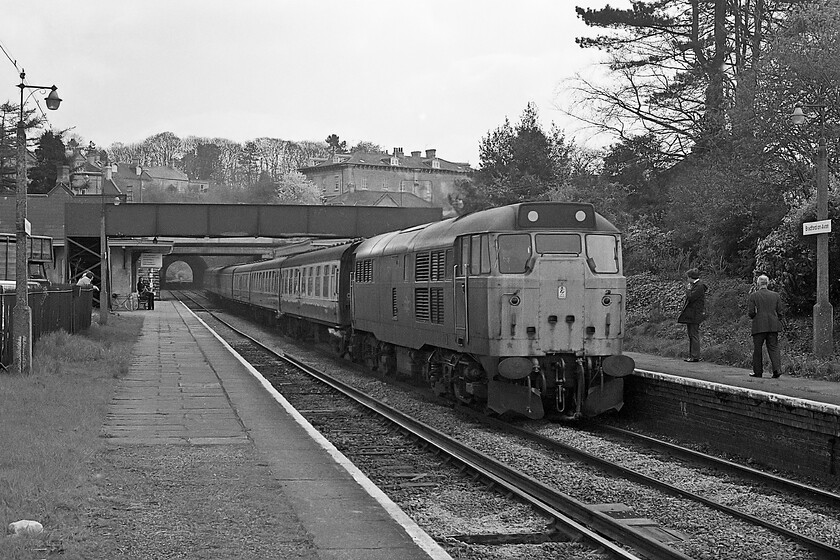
{"type": "Point", "coordinates": [460, 287]}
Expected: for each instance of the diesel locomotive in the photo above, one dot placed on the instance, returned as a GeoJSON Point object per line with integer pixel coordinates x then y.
{"type": "Point", "coordinates": [517, 309]}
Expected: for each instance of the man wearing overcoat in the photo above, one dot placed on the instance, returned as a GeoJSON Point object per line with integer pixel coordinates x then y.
{"type": "Point", "coordinates": [694, 312]}
{"type": "Point", "coordinates": [766, 309]}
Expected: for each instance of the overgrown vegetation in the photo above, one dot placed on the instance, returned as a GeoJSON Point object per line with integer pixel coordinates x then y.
{"type": "Point", "coordinates": [50, 433]}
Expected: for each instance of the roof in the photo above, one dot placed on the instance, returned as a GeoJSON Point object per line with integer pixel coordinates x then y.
{"type": "Point", "coordinates": [166, 173]}
{"type": "Point", "coordinates": [379, 198]}
{"type": "Point", "coordinates": [551, 216]}
{"type": "Point", "coordinates": [384, 160]}
{"type": "Point", "coordinates": [129, 171]}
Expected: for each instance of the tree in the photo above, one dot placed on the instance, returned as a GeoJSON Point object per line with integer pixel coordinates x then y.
{"type": "Point", "coordinates": [249, 160]}
{"type": "Point", "coordinates": [366, 147]}
{"type": "Point", "coordinates": [162, 150]}
{"type": "Point", "coordinates": [295, 188]}
{"type": "Point", "coordinates": [203, 162]}
{"type": "Point", "coordinates": [8, 147]}
{"type": "Point", "coordinates": [520, 163]}
{"type": "Point", "coordinates": [636, 166]}
{"type": "Point", "coordinates": [48, 156]}
{"type": "Point", "coordinates": [334, 144]}
{"type": "Point", "coordinates": [678, 67]}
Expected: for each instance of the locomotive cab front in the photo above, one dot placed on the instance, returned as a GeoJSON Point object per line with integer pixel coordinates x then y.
{"type": "Point", "coordinates": [541, 307]}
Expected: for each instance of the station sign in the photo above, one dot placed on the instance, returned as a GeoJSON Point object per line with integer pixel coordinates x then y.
{"type": "Point", "coordinates": [151, 260]}
{"type": "Point", "coordinates": [822, 226]}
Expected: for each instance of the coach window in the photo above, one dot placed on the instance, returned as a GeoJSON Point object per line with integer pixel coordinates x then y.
{"type": "Point", "coordinates": [514, 252]}
{"type": "Point", "coordinates": [317, 281]}
{"type": "Point", "coordinates": [602, 253]}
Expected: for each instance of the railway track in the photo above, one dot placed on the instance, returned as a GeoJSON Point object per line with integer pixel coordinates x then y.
{"type": "Point", "coordinates": [570, 516]}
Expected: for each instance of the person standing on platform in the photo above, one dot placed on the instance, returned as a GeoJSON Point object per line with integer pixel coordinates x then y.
{"type": "Point", "coordinates": [766, 309]}
{"type": "Point", "coordinates": [150, 296]}
{"type": "Point", "coordinates": [85, 281]}
{"type": "Point", "coordinates": [694, 312]}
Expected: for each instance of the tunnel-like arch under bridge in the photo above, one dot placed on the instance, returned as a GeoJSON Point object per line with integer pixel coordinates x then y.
{"type": "Point", "coordinates": [141, 229]}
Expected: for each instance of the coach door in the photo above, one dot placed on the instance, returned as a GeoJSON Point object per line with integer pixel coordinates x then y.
{"type": "Point", "coordinates": [460, 289]}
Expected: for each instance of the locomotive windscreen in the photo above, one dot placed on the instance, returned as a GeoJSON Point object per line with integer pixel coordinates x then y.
{"type": "Point", "coordinates": [556, 215]}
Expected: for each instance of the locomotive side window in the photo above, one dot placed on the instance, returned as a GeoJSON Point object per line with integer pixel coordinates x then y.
{"type": "Point", "coordinates": [514, 252]}
{"type": "Point", "coordinates": [463, 256]}
{"type": "Point", "coordinates": [602, 253]}
{"type": "Point", "coordinates": [475, 254]}
{"type": "Point", "coordinates": [485, 254]}
{"type": "Point", "coordinates": [448, 265]}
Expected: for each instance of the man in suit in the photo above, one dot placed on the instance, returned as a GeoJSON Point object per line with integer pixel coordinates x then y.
{"type": "Point", "coordinates": [694, 312]}
{"type": "Point", "coordinates": [765, 308]}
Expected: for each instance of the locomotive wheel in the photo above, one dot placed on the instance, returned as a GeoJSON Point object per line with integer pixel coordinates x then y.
{"type": "Point", "coordinates": [371, 355]}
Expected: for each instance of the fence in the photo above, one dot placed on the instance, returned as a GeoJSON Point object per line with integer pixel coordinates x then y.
{"type": "Point", "coordinates": [60, 307]}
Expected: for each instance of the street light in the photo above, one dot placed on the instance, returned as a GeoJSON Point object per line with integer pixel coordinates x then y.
{"type": "Point", "coordinates": [823, 310]}
{"type": "Point", "coordinates": [22, 314]}
{"type": "Point", "coordinates": [104, 268]}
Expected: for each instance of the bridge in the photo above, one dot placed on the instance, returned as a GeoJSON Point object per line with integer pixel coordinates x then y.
{"type": "Point", "coordinates": [163, 234]}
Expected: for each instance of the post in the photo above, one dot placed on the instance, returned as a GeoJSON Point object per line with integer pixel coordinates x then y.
{"type": "Point", "coordinates": [22, 314]}
{"type": "Point", "coordinates": [105, 292]}
{"type": "Point", "coordinates": [823, 310]}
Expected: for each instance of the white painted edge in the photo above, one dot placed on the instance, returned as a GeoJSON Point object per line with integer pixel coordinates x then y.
{"type": "Point", "coordinates": [825, 408]}
{"type": "Point", "coordinates": [417, 534]}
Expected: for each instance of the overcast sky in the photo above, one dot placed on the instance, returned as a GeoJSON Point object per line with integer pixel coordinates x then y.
{"type": "Point", "coordinates": [417, 75]}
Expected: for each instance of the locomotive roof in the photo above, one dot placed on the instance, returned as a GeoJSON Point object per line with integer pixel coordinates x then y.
{"type": "Point", "coordinates": [526, 216]}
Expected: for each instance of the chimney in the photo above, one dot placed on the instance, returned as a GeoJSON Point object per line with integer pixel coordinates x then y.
{"type": "Point", "coordinates": [108, 172]}
{"type": "Point", "coordinates": [415, 154]}
{"type": "Point", "coordinates": [398, 152]}
{"type": "Point", "coordinates": [63, 177]}
{"type": "Point", "coordinates": [430, 154]}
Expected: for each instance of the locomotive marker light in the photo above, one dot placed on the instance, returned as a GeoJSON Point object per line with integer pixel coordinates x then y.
{"type": "Point", "coordinates": [823, 310]}
{"type": "Point", "coordinates": [22, 315]}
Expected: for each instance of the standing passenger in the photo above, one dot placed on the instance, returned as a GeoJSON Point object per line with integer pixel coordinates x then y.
{"type": "Point", "coordinates": [765, 308]}
{"type": "Point", "coordinates": [694, 312]}
{"type": "Point", "coordinates": [85, 281]}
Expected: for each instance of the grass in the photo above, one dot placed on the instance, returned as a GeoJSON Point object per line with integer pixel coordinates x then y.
{"type": "Point", "coordinates": [49, 432]}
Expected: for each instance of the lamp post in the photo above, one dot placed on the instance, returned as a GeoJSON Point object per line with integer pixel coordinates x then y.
{"type": "Point", "coordinates": [22, 314]}
{"type": "Point", "coordinates": [823, 310]}
{"type": "Point", "coordinates": [104, 264]}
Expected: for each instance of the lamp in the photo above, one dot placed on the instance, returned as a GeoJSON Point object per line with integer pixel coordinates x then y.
{"type": "Point", "coordinates": [22, 314]}
{"type": "Point", "coordinates": [823, 310]}
{"type": "Point", "coordinates": [104, 261]}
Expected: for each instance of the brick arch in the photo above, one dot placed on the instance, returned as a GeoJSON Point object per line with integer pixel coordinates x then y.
{"type": "Point", "coordinates": [196, 263]}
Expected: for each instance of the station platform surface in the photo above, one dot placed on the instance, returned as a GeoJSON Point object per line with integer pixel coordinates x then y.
{"type": "Point", "coordinates": [187, 387]}
{"type": "Point", "coordinates": [806, 390]}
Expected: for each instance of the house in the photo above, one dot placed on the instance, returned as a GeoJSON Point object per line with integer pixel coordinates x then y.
{"type": "Point", "coordinates": [168, 179]}
{"type": "Point", "coordinates": [396, 179]}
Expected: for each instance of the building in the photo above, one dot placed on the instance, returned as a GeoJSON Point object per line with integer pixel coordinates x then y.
{"type": "Point", "coordinates": [168, 179]}
{"type": "Point", "coordinates": [396, 179]}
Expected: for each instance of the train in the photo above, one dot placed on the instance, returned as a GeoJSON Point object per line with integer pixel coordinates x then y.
{"type": "Point", "coordinates": [515, 310]}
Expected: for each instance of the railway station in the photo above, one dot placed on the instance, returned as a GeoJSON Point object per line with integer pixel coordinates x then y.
{"type": "Point", "coordinates": [188, 387]}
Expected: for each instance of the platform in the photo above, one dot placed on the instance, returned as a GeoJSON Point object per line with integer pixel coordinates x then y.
{"type": "Point", "coordinates": [187, 387]}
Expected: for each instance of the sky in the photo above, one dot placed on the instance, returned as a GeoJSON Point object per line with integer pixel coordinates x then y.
{"type": "Point", "coordinates": [417, 75]}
